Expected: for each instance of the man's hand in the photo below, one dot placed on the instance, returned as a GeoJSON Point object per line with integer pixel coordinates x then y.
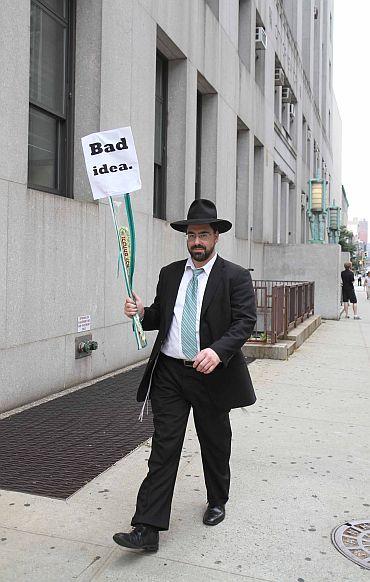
{"type": "Point", "coordinates": [133, 307]}
{"type": "Point", "coordinates": [206, 361]}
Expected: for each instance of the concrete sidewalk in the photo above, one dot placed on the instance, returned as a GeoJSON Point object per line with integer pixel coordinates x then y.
{"type": "Point", "coordinates": [300, 467]}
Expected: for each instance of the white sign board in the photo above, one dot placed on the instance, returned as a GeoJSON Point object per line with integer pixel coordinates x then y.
{"type": "Point", "coordinates": [111, 162]}
{"type": "Point", "coordinates": [83, 323]}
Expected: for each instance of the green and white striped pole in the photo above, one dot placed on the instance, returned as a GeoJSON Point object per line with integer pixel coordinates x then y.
{"type": "Point", "coordinates": [128, 270]}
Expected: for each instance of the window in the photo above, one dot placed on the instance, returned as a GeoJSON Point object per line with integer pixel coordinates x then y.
{"type": "Point", "coordinates": [198, 162]}
{"type": "Point", "coordinates": [316, 160]}
{"type": "Point", "coordinates": [292, 123]}
{"type": "Point", "coordinates": [50, 139]}
{"type": "Point", "coordinates": [214, 6]}
{"type": "Point", "coordinates": [303, 218]}
{"type": "Point", "coordinates": [258, 191]}
{"type": "Point", "coordinates": [160, 137]}
{"type": "Point", "coordinates": [288, 114]}
{"type": "Point", "coordinates": [292, 209]}
{"type": "Point", "coordinates": [244, 38]}
{"type": "Point", "coordinates": [260, 59]}
{"type": "Point", "coordinates": [242, 181]}
{"type": "Point", "coordinates": [309, 148]}
{"type": "Point", "coordinates": [206, 140]}
{"type": "Point", "coordinates": [276, 206]}
{"type": "Point", "coordinates": [304, 139]}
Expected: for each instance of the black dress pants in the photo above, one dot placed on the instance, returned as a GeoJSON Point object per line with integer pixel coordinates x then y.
{"type": "Point", "coordinates": [176, 388]}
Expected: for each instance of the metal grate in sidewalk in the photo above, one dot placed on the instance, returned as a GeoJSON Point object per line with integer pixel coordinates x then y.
{"type": "Point", "coordinates": [55, 448]}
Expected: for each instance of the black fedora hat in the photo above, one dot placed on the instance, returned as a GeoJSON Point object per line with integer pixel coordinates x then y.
{"type": "Point", "coordinates": [202, 211]}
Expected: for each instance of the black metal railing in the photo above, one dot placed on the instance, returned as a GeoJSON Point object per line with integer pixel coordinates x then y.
{"type": "Point", "coordinates": [281, 305]}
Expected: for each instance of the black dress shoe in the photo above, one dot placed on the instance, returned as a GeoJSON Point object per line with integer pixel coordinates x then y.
{"type": "Point", "coordinates": [214, 514]}
{"type": "Point", "coordinates": [142, 537]}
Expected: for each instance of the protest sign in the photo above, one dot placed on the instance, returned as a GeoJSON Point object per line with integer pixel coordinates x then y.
{"type": "Point", "coordinates": [113, 171]}
{"type": "Point", "coordinates": [111, 162]}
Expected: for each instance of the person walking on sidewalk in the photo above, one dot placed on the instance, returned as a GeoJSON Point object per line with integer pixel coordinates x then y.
{"type": "Point", "coordinates": [348, 290]}
{"type": "Point", "coordinates": [204, 310]}
{"type": "Point", "coordinates": [359, 280]}
{"type": "Point", "coordinates": [367, 285]}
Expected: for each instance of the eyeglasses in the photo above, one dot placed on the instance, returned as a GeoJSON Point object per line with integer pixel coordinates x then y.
{"type": "Point", "coordinates": [204, 236]}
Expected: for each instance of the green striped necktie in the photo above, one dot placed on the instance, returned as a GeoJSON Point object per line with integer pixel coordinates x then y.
{"type": "Point", "coordinates": [189, 317]}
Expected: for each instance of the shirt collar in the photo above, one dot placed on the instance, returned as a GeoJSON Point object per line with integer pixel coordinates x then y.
{"type": "Point", "coordinates": [207, 267]}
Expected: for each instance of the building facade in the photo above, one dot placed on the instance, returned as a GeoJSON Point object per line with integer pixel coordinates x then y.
{"type": "Point", "coordinates": [359, 227]}
{"type": "Point", "coordinates": [362, 230]}
{"type": "Point", "coordinates": [230, 100]}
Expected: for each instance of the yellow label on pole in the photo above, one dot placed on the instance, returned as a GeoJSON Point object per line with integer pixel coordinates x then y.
{"type": "Point", "coordinates": [126, 245]}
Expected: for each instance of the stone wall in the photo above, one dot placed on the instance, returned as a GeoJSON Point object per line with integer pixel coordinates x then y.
{"type": "Point", "coordinates": [316, 262]}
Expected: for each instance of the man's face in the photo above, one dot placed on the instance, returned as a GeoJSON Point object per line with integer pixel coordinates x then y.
{"type": "Point", "coordinates": [201, 241]}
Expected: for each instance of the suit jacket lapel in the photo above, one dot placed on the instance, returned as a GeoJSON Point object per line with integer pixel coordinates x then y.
{"type": "Point", "coordinates": [213, 282]}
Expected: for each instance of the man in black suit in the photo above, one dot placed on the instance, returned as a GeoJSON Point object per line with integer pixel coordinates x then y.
{"type": "Point", "coordinates": [204, 310]}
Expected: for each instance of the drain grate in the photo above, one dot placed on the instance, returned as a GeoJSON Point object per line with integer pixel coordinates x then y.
{"type": "Point", "coordinates": [352, 539]}
{"type": "Point", "coordinates": [55, 448]}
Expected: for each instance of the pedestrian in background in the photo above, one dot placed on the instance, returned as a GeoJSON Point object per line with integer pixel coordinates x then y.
{"type": "Point", "coordinates": [367, 285]}
{"type": "Point", "coordinates": [348, 290]}
{"type": "Point", "coordinates": [204, 310]}
{"type": "Point", "coordinates": [359, 280]}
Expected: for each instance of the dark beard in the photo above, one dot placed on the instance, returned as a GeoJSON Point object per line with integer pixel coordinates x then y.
{"type": "Point", "coordinates": [201, 255]}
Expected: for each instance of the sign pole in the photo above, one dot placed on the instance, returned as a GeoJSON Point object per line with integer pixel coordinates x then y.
{"type": "Point", "coordinates": [138, 329]}
{"type": "Point", "coordinates": [131, 225]}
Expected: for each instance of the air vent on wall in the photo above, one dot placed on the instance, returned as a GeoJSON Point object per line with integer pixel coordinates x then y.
{"type": "Point", "coordinates": [261, 38]}
{"type": "Point", "coordinates": [287, 94]}
{"type": "Point", "coordinates": [279, 77]}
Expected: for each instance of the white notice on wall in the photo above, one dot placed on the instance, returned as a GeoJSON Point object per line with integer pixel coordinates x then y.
{"type": "Point", "coordinates": [111, 162]}
{"type": "Point", "coordinates": [83, 323]}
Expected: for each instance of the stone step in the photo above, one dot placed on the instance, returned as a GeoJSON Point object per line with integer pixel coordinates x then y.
{"type": "Point", "coordinates": [284, 347]}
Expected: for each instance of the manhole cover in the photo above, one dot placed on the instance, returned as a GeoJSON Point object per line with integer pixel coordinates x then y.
{"type": "Point", "coordinates": [352, 539]}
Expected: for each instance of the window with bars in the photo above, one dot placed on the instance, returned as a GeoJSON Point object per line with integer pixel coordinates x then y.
{"type": "Point", "coordinates": [50, 138]}
{"type": "Point", "coordinates": [160, 137]}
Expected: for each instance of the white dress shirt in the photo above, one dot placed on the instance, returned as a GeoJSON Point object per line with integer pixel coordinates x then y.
{"type": "Point", "coordinates": [172, 345]}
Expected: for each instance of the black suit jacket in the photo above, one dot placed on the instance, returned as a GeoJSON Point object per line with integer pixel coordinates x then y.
{"type": "Point", "coordinates": [227, 319]}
